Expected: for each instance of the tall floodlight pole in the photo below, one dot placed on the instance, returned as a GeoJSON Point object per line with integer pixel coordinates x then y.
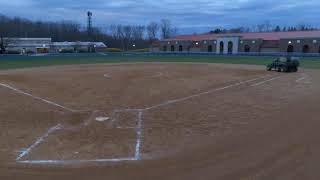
{"type": "Point", "coordinates": [89, 25]}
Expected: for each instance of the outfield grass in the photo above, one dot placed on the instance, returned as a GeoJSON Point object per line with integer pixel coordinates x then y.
{"type": "Point", "coordinates": [8, 62]}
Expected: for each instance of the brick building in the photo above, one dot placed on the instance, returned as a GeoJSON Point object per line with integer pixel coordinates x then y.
{"type": "Point", "coordinates": [233, 43]}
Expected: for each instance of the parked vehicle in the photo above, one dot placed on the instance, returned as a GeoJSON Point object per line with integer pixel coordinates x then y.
{"type": "Point", "coordinates": [284, 64]}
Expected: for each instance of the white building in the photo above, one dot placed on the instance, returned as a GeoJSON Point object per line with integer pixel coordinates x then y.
{"type": "Point", "coordinates": [45, 45]}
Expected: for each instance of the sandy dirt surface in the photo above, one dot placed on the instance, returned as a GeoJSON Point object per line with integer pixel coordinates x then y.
{"type": "Point", "coordinates": [159, 121]}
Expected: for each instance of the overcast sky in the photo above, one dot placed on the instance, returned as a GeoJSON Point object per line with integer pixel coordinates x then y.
{"type": "Point", "coordinates": [188, 15]}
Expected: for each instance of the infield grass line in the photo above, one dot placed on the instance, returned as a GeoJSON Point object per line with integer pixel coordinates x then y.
{"type": "Point", "coordinates": [37, 98]}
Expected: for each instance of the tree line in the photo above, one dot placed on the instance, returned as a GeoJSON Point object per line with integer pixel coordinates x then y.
{"type": "Point", "coordinates": [265, 27]}
{"type": "Point", "coordinates": [125, 37]}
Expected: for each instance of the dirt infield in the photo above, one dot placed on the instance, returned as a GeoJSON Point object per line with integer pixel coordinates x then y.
{"type": "Point", "coordinates": [159, 121]}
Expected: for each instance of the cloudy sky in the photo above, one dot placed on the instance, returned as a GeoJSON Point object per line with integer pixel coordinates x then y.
{"type": "Point", "coordinates": [188, 15]}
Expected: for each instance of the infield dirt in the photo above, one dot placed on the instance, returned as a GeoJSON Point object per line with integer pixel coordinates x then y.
{"type": "Point", "coordinates": [182, 121]}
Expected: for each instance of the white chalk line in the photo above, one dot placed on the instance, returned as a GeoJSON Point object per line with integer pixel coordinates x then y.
{"type": "Point", "coordinates": [37, 98]}
{"type": "Point", "coordinates": [304, 77]}
{"type": "Point", "coordinates": [157, 75]}
{"type": "Point", "coordinates": [39, 141]}
{"type": "Point", "coordinates": [300, 79]}
{"type": "Point", "coordinates": [263, 82]}
{"type": "Point", "coordinates": [138, 128]}
{"type": "Point", "coordinates": [203, 93]}
{"type": "Point", "coordinates": [107, 76]}
{"type": "Point", "coordinates": [66, 162]}
{"type": "Point", "coordinates": [139, 135]}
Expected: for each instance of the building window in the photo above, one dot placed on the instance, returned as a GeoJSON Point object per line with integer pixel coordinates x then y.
{"type": "Point", "coordinates": [221, 47]}
{"type": "Point", "coordinates": [290, 49]}
{"type": "Point", "coordinates": [230, 47]}
{"type": "Point", "coordinates": [168, 42]}
{"type": "Point", "coordinates": [209, 48]}
{"type": "Point", "coordinates": [215, 42]}
{"type": "Point", "coordinates": [164, 48]}
{"type": "Point", "coordinates": [253, 42]}
{"type": "Point", "coordinates": [298, 41]}
{"type": "Point", "coordinates": [176, 42]}
{"type": "Point", "coordinates": [205, 42]}
{"type": "Point", "coordinates": [305, 49]}
{"type": "Point", "coordinates": [241, 42]}
{"type": "Point", "coordinates": [172, 48]}
{"type": "Point", "coordinates": [246, 48]}
{"type": "Point", "coordinates": [314, 41]}
{"type": "Point", "coordinates": [180, 48]}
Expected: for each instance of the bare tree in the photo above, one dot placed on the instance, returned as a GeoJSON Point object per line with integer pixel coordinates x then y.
{"type": "Point", "coordinates": [127, 36]}
{"type": "Point", "coordinates": [113, 31]}
{"type": "Point", "coordinates": [138, 32]}
{"type": "Point", "coordinates": [3, 44]}
{"type": "Point", "coordinates": [152, 31]}
{"type": "Point", "coordinates": [173, 32]}
{"type": "Point", "coordinates": [165, 28]}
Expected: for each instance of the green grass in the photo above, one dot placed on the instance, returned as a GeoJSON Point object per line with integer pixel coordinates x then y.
{"type": "Point", "coordinates": [26, 62]}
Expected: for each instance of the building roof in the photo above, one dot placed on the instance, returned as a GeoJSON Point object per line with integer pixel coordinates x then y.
{"type": "Point", "coordinates": [97, 44]}
{"type": "Point", "coordinates": [29, 39]}
{"type": "Point", "coordinates": [252, 35]}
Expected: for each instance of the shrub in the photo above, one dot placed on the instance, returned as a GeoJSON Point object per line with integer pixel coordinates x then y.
{"type": "Point", "coordinates": [140, 50]}
{"type": "Point", "coordinates": [30, 52]}
{"type": "Point", "coordinates": [114, 50]}
{"type": "Point", "coordinates": [13, 52]}
{"type": "Point", "coordinates": [82, 51]}
{"type": "Point", "coordinates": [66, 51]}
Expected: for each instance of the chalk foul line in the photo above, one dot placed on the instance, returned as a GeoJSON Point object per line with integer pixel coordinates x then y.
{"type": "Point", "coordinates": [202, 93]}
{"type": "Point", "coordinates": [39, 141]}
{"type": "Point", "coordinates": [37, 98]}
{"type": "Point", "coordinates": [263, 82]}
{"type": "Point", "coordinates": [66, 162]}
{"type": "Point", "coordinates": [139, 135]}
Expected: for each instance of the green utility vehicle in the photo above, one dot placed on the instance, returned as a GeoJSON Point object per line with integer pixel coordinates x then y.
{"type": "Point", "coordinates": [284, 64]}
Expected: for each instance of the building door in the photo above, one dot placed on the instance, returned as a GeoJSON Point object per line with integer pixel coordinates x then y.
{"type": "Point", "coordinates": [290, 49]}
{"type": "Point", "coordinates": [221, 47]}
{"type": "Point", "coordinates": [164, 48]}
{"type": "Point", "coordinates": [230, 47]}
{"type": "Point", "coordinates": [246, 48]}
{"type": "Point", "coordinates": [180, 48]}
{"type": "Point", "coordinates": [172, 48]}
{"type": "Point", "coordinates": [305, 49]}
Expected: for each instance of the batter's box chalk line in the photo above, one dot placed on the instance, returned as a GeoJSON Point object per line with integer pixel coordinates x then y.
{"type": "Point", "coordinates": [138, 128]}
{"type": "Point", "coordinates": [137, 154]}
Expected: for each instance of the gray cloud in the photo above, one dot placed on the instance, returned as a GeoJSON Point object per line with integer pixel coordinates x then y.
{"type": "Point", "coordinates": [188, 15]}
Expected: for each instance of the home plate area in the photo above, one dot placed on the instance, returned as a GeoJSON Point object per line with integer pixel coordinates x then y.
{"type": "Point", "coordinates": [92, 140]}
